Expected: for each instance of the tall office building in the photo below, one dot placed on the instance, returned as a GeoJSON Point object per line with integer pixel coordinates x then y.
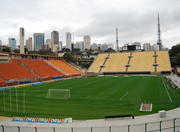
{"type": "Point", "coordinates": [79, 45]}
{"type": "Point", "coordinates": [48, 43]}
{"type": "Point", "coordinates": [87, 42]}
{"type": "Point", "coordinates": [29, 44]}
{"type": "Point", "coordinates": [38, 41]}
{"type": "Point", "coordinates": [68, 41]}
{"type": "Point", "coordinates": [94, 46]}
{"type": "Point", "coordinates": [0, 42]}
{"type": "Point", "coordinates": [21, 39]}
{"type": "Point", "coordinates": [60, 45]}
{"type": "Point", "coordinates": [12, 43]}
{"type": "Point", "coordinates": [147, 47]}
{"type": "Point", "coordinates": [104, 47]}
{"type": "Point", "coordinates": [55, 37]}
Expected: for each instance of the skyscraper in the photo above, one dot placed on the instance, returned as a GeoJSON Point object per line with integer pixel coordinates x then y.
{"type": "Point", "coordinates": [38, 41]}
{"type": "Point", "coordinates": [29, 44]}
{"type": "Point", "coordinates": [60, 45]}
{"type": "Point", "coordinates": [55, 37]}
{"type": "Point", "coordinates": [68, 41]}
{"type": "Point", "coordinates": [87, 42]}
{"type": "Point", "coordinates": [12, 43]}
{"type": "Point", "coordinates": [21, 39]}
{"type": "Point", "coordinates": [79, 45]}
{"type": "Point", "coordinates": [49, 43]}
{"type": "Point", "coordinates": [0, 42]}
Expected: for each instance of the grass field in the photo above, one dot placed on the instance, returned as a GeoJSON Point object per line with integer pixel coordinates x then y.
{"type": "Point", "coordinates": [91, 98]}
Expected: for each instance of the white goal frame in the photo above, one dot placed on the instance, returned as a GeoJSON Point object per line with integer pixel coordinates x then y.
{"type": "Point", "coordinates": [66, 93]}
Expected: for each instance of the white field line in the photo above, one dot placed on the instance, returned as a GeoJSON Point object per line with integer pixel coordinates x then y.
{"type": "Point", "coordinates": [166, 90]}
{"type": "Point", "coordinates": [123, 96]}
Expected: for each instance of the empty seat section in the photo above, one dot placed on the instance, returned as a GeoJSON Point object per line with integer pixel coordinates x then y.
{"type": "Point", "coordinates": [1, 80]}
{"type": "Point", "coordinates": [116, 62]}
{"type": "Point", "coordinates": [65, 67]}
{"type": "Point", "coordinates": [42, 68]}
{"type": "Point", "coordinates": [141, 62]}
{"type": "Point", "coordinates": [96, 65]}
{"type": "Point", "coordinates": [14, 70]}
{"type": "Point", "coordinates": [163, 61]}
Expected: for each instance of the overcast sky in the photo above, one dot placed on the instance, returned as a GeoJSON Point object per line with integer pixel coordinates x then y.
{"type": "Point", "coordinates": [135, 19]}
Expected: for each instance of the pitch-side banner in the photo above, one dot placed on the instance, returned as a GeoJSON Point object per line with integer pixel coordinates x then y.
{"type": "Point", "coordinates": [42, 120]}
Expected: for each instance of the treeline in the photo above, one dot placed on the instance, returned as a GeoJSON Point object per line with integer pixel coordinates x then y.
{"type": "Point", "coordinates": [174, 53]}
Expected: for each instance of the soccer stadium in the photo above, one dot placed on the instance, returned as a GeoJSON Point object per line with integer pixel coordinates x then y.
{"type": "Point", "coordinates": [126, 85]}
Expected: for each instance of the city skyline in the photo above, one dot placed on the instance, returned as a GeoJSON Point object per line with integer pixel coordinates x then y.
{"type": "Point", "coordinates": [80, 18]}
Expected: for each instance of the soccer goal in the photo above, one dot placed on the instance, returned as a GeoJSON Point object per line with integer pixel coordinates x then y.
{"type": "Point", "coordinates": [58, 94]}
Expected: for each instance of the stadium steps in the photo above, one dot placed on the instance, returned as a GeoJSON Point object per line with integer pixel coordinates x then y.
{"type": "Point", "coordinates": [163, 61]}
{"type": "Point", "coordinates": [106, 58]}
{"type": "Point", "coordinates": [116, 63]}
{"type": "Point", "coordinates": [95, 66]}
{"type": "Point", "coordinates": [155, 62]}
{"type": "Point", "coordinates": [128, 64]}
{"type": "Point", "coordinates": [74, 67]}
{"type": "Point", "coordinates": [55, 67]}
{"type": "Point", "coordinates": [13, 70]}
{"type": "Point", "coordinates": [3, 78]}
{"type": "Point", "coordinates": [65, 67]}
{"type": "Point", "coordinates": [29, 69]}
{"type": "Point", "coordinates": [42, 68]}
{"type": "Point", "coordinates": [141, 62]}
{"type": "Point", "coordinates": [146, 62]}
{"type": "Point", "coordinates": [80, 69]}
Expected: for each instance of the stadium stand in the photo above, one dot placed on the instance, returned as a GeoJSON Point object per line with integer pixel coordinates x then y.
{"type": "Point", "coordinates": [41, 67]}
{"type": "Point", "coordinates": [1, 80]}
{"type": "Point", "coordinates": [141, 62]}
{"type": "Point", "coordinates": [14, 70]}
{"type": "Point", "coordinates": [132, 62]}
{"type": "Point", "coordinates": [163, 61]}
{"type": "Point", "coordinates": [65, 67]}
{"type": "Point", "coordinates": [4, 58]}
{"type": "Point", "coordinates": [98, 63]}
{"type": "Point", "coordinates": [116, 62]}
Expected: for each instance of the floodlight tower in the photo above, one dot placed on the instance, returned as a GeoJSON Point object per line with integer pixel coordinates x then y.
{"type": "Point", "coordinates": [159, 42]}
{"type": "Point", "coordinates": [117, 41]}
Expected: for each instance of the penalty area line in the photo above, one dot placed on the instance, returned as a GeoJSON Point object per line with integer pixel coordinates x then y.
{"type": "Point", "coordinates": [123, 96]}
{"type": "Point", "coordinates": [166, 90]}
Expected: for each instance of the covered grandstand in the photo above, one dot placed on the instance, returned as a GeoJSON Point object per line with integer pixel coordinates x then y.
{"type": "Point", "coordinates": [151, 62]}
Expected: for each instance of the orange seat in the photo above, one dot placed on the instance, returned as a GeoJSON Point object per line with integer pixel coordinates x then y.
{"type": "Point", "coordinates": [14, 70]}
{"type": "Point", "coordinates": [65, 67]}
{"type": "Point", "coordinates": [41, 67]}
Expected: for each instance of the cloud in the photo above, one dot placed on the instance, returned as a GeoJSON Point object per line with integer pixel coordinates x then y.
{"type": "Point", "coordinates": [136, 20]}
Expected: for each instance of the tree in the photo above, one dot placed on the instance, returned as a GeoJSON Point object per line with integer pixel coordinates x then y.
{"type": "Point", "coordinates": [16, 51]}
{"type": "Point", "coordinates": [177, 60]}
{"type": "Point", "coordinates": [69, 57]}
{"type": "Point", "coordinates": [45, 52]}
{"type": "Point", "coordinates": [174, 53]}
{"type": "Point", "coordinates": [6, 49]}
{"type": "Point", "coordinates": [76, 50]}
{"type": "Point", "coordinates": [110, 50]}
{"type": "Point", "coordinates": [174, 50]}
{"type": "Point", "coordinates": [66, 50]}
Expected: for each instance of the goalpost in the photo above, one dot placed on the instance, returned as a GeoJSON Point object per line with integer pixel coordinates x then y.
{"type": "Point", "coordinates": [58, 94]}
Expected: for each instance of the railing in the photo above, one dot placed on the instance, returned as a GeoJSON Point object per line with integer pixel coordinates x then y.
{"type": "Point", "coordinates": [172, 125]}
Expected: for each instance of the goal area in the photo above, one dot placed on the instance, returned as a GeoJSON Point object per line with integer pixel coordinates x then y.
{"type": "Point", "coordinates": [58, 94]}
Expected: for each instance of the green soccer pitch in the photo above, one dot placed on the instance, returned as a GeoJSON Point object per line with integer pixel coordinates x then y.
{"type": "Point", "coordinates": [91, 97]}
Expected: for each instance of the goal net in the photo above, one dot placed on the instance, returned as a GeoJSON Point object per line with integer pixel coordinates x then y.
{"type": "Point", "coordinates": [58, 94]}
